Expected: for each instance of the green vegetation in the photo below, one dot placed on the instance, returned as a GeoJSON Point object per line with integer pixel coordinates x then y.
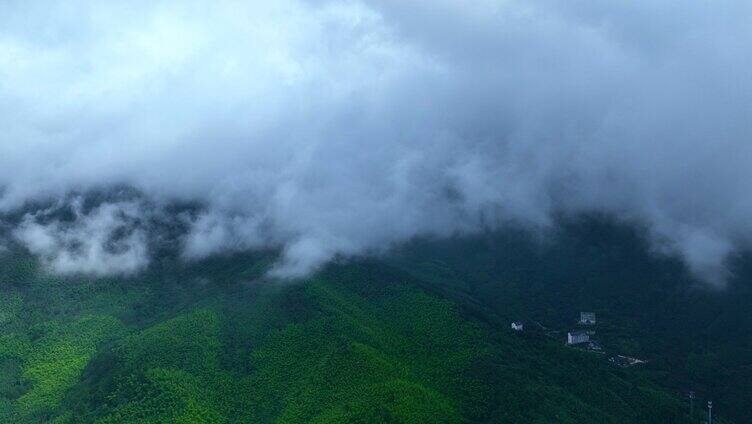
{"type": "Point", "coordinates": [54, 362]}
{"type": "Point", "coordinates": [694, 337]}
{"type": "Point", "coordinates": [364, 342]}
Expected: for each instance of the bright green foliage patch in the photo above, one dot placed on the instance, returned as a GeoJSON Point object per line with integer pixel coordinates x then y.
{"type": "Point", "coordinates": [57, 359]}
{"type": "Point", "coordinates": [189, 342]}
{"type": "Point", "coordinates": [162, 395]}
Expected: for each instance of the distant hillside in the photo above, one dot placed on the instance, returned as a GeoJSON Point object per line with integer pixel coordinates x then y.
{"type": "Point", "coordinates": [695, 337]}
{"type": "Point", "coordinates": [364, 342]}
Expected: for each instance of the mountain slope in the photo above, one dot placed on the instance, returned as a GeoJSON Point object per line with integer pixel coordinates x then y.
{"type": "Point", "coordinates": [694, 336]}
{"type": "Point", "coordinates": [357, 343]}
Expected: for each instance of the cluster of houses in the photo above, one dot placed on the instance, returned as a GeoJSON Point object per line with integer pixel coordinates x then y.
{"type": "Point", "coordinates": [577, 337]}
{"type": "Point", "coordinates": [581, 339]}
{"type": "Point", "coordinates": [573, 337]}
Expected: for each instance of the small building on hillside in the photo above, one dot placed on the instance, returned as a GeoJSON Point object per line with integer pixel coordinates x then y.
{"type": "Point", "coordinates": [577, 337]}
{"type": "Point", "coordinates": [587, 318]}
{"type": "Point", "coordinates": [517, 326]}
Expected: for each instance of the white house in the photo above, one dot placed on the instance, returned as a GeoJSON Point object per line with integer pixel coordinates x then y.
{"type": "Point", "coordinates": [517, 326]}
{"type": "Point", "coordinates": [577, 337]}
{"type": "Point", "coordinates": [587, 318]}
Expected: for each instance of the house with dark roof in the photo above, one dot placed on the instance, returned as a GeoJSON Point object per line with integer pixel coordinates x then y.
{"type": "Point", "coordinates": [577, 337]}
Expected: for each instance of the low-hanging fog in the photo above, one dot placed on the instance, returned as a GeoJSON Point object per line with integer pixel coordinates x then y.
{"type": "Point", "coordinates": [342, 127]}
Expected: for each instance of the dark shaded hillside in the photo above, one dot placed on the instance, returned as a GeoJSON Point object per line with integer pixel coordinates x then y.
{"type": "Point", "coordinates": [695, 337]}
{"type": "Point", "coordinates": [363, 342]}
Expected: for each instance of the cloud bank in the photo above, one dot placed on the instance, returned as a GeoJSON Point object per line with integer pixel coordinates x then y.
{"type": "Point", "coordinates": [329, 128]}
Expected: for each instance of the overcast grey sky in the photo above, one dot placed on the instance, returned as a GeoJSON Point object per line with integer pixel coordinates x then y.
{"type": "Point", "coordinates": [343, 127]}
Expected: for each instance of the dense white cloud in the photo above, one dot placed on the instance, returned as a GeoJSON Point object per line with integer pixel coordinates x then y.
{"type": "Point", "coordinates": [100, 241]}
{"type": "Point", "coordinates": [332, 127]}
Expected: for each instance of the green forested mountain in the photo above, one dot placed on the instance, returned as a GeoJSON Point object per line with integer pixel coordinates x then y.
{"type": "Point", "coordinates": [695, 336]}
{"type": "Point", "coordinates": [419, 336]}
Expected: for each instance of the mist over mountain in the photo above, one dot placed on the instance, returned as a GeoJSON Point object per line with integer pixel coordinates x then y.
{"type": "Point", "coordinates": [325, 128]}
